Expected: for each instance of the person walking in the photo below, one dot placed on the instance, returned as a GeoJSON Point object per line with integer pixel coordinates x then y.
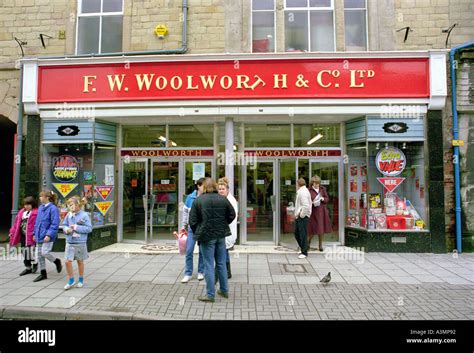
{"type": "Point", "coordinates": [22, 233]}
{"type": "Point", "coordinates": [223, 187]}
{"type": "Point", "coordinates": [302, 214]}
{"type": "Point", "coordinates": [190, 243]}
{"type": "Point", "coordinates": [46, 232]}
{"type": "Point", "coordinates": [319, 222]}
{"type": "Point", "coordinates": [77, 226]}
{"type": "Point", "coordinates": [209, 219]}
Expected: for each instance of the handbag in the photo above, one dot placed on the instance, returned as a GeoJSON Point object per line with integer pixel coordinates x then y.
{"type": "Point", "coordinates": [181, 240]}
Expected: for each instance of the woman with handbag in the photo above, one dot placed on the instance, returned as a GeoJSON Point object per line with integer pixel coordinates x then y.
{"type": "Point", "coordinates": [319, 222]}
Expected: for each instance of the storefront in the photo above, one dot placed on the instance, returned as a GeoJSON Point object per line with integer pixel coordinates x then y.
{"type": "Point", "coordinates": [133, 134]}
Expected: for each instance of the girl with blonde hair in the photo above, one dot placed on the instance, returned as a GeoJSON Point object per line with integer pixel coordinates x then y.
{"type": "Point", "coordinates": [77, 226]}
{"type": "Point", "coordinates": [223, 189]}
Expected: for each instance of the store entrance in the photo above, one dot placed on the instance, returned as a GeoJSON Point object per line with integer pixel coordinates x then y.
{"type": "Point", "coordinates": [153, 193]}
{"type": "Point", "coordinates": [271, 187]}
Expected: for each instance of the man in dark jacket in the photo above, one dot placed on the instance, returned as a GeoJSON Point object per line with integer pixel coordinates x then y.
{"type": "Point", "coordinates": [209, 219]}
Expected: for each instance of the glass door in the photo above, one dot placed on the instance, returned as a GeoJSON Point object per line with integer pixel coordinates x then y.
{"type": "Point", "coordinates": [261, 202]}
{"type": "Point", "coordinates": [329, 174]}
{"type": "Point", "coordinates": [287, 203]}
{"type": "Point", "coordinates": [135, 200]}
{"type": "Point", "coordinates": [164, 190]}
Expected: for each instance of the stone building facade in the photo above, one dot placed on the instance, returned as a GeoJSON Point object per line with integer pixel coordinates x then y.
{"type": "Point", "coordinates": [224, 26]}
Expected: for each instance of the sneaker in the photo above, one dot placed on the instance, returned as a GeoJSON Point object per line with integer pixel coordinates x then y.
{"type": "Point", "coordinates": [200, 276]}
{"type": "Point", "coordinates": [80, 284]}
{"type": "Point", "coordinates": [186, 279]}
{"type": "Point", "coordinates": [222, 294]}
{"type": "Point", "coordinates": [58, 264]}
{"type": "Point", "coordinates": [302, 256]}
{"type": "Point", "coordinates": [69, 285]}
{"type": "Point", "coordinates": [207, 299]}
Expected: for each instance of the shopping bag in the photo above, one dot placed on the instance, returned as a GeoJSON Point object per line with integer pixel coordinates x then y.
{"type": "Point", "coordinates": [181, 240]}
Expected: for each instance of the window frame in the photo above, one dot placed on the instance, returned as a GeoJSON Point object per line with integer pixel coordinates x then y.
{"type": "Point", "coordinates": [366, 9]}
{"type": "Point", "coordinates": [95, 14]}
{"type": "Point", "coordinates": [310, 9]}
{"type": "Point", "coordinates": [274, 25]}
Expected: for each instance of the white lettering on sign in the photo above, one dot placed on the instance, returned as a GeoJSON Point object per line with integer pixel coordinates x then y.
{"type": "Point", "coordinates": [165, 181]}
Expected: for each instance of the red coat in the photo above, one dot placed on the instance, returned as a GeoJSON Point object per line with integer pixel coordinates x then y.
{"type": "Point", "coordinates": [319, 222]}
{"type": "Point", "coordinates": [15, 231]}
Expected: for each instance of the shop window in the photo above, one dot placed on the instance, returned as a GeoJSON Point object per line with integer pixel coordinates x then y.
{"type": "Point", "coordinates": [77, 170]}
{"type": "Point", "coordinates": [309, 25]}
{"type": "Point", "coordinates": [263, 26]}
{"type": "Point", "coordinates": [267, 135]}
{"type": "Point", "coordinates": [316, 135]}
{"type": "Point", "coordinates": [395, 200]}
{"type": "Point", "coordinates": [99, 26]}
{"type": "Point", "coordinates": [104, 195]}
{"type": "Point", "coordinates": [355, 24]}
{"type": "Point", "coordinates": [144, 136]}
{"type": "Point", "coordinates": [191, 136]}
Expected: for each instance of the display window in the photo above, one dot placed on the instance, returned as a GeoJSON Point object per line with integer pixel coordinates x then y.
{"type": "Point", "coordinates": [386, 186]}
{"type": "Point", "coordinates": [84, 170]}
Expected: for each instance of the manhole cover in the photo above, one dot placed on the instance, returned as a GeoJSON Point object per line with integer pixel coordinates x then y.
{"type": "Point", "coordinates": [294, 268]}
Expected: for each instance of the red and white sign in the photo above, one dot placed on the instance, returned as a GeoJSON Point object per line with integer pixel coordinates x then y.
{"type": "Point", "coordinates": [236, 79]}
{"type": "Point", "coordinates": [293, 153]}
{"type": "Point", "coordinates": [390, 161]}
{"type": "Point", "coordinates": [390, 184]}
{"type": "Point", "coordinates": [167, 153]}
{"type": "Point", "coordinates": [104, 191]}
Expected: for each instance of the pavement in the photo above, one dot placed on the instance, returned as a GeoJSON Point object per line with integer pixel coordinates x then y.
{"type": "Point", "coordinates": [145, 285]}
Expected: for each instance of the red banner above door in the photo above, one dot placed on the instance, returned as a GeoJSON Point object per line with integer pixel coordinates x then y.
{"type": "Point", "coordinates": [236, 79]}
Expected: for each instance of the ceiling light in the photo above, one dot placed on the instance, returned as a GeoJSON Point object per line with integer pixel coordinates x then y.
{"type": "Point", "coordinates": [314, 139]}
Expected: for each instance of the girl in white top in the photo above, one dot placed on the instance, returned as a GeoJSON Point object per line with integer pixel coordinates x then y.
{"type": "Point", "coordinates": [223, 187]}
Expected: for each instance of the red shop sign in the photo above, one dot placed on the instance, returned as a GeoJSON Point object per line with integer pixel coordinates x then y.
{"type": "Point", "coordinates": [167, 153]}
{"type": "Point", "coordinates": [236, 79]}
{"type": "Point", "coordinates": [294, 153]}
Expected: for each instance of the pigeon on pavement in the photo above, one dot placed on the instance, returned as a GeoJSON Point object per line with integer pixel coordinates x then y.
{"type": "Point", "coordinates": [326, 279]}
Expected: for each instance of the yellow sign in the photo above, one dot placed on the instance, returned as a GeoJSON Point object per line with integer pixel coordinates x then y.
{"type": "Point", "coordinates": [161, 31]}
{"type": "Point", "coordinates": [458, 142]}
{"type": "Point", "coordinates": [64, 189]}
{"type": "Point", "coordinates": [104, 206]}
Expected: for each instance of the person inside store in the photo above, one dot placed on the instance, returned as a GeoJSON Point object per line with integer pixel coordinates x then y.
{"type": "Point", "coordinates": [209, 220]}
{"type": "Point", "coordinates": [22, 233]}
{"type": "Point", "coordinates": [223, 185]}
{"type": "Point", "coordinates": [302, 214]}
{"type": "Point", "coordinates": [190, 243]}
{"type": "Point", "coordinates": [319, 223]}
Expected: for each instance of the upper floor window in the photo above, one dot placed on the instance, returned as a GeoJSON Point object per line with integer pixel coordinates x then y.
{"type": "Point", "coordinates": [355, 24]}
{"type": "Point", "coordinates": [263, 26]}
{"type": "Point", "coordinates": [99, 26]}
{"type": "Point", "coordinates": [309, 25]}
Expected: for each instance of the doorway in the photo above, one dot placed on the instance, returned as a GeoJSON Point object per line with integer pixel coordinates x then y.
{"type": "Point", "coordinates": [153, 192]}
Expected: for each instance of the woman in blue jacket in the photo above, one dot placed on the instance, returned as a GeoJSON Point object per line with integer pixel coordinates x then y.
{"type": "Point", "coordinates": [77, 226]}
{"type": "Point", "coordinates": [46, 232]}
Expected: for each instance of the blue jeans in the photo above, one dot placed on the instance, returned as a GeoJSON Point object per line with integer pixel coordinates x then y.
{"type": "Point", "coordinates": [188, 268]}
{"type": "Point", "coordinates": [215, 250]}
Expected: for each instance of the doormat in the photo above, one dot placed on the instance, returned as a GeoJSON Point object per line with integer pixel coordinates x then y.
{"type": "Point", "coordinates": [156, 247]}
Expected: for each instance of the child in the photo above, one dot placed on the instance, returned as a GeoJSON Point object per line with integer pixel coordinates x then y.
{"type": "Point", "coordinates": [22, 233]}
{"type": "Point", "coordinates": [77, 225]}
{"type": "Point", "coordinates": [46, 232]}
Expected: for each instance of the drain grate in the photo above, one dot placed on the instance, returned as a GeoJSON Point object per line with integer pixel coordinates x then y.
{"type": "Point", "coordinates": [295, 268]}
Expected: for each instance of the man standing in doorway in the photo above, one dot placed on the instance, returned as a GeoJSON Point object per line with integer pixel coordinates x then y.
{"type": "Point", "coordinates": [302, 214]}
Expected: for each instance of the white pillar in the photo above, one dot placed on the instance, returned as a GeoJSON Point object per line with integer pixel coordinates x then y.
{"type": "Point", "coordinates": [229, 150]}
